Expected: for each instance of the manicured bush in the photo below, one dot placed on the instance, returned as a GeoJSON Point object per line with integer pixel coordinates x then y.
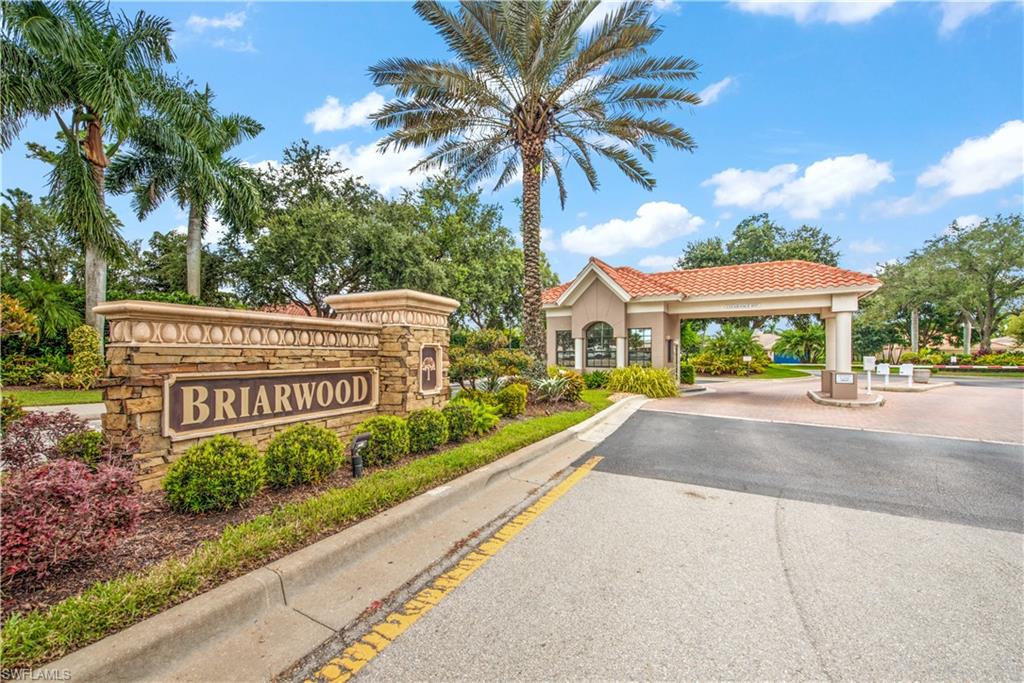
{"type": "Point", "coordinates": [715, 363]}
{"type": "Point", "coordinates": [85, 447]}
{"type": "Point", "coordinates": [33, 439]}
{"type": "Point", "coordinates": [62, 511]}
{"type": "Point", "coordinates": [10, 412]}
{"type": "Point", "coordinates": [574, 386]}
{"type": "Point", "coordinates": [652, 382]}
{"type": "Point", "coordinates": [217, 474]}
{"type": "Point", "coordinates": [303, 454]}
{"type": "Point", "coordinates": [389, 439]}
{"type": "Point", "coordinates": [86, 361]}
{"type": "Point", "coordinates": [687, 373]}
{"type": "Point", "coordinates": [485, 414]}
{"type": "Point", "coordinates": [597, 379]}
{"type": "Point", "coordinates": [1005, 358]}
{"type": "Point", "coordinates": [428, 429]}
{"type": "Point", "coordinates": [511, 400]}
{"type": "Point", "coordinates": [17, 369]}
{"type": "Point", "coordinates": [459, 417]}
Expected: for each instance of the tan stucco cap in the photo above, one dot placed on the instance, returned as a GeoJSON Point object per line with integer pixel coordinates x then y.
{"type": "Point", "coordinates": [152, 310]}
{"type": "Point", "coordinates": [392, 299]}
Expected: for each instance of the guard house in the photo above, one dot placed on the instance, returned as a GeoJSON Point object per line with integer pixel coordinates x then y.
{"type": "Point", "coordinates": [608, 317]}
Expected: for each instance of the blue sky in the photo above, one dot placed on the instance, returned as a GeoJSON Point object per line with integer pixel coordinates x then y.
{"type": "Point", "coordinates": [880, 122]}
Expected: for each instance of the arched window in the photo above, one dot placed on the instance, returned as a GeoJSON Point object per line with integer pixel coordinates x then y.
{"type": "Point", "coordinates": [600, 346]}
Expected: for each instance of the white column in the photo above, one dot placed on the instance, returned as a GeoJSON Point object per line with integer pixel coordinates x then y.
{"type": "Point", "coordinates": [620, 352]}
{"type": "Point", "coordinates": [830, 343]}
{"type": "Point", "coordinates": [844, 341]}
{"type": "Point", "coordinates": [578, 353]}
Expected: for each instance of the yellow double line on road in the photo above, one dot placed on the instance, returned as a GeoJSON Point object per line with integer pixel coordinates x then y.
{"type": "Point", "coordinates": [372, 643]}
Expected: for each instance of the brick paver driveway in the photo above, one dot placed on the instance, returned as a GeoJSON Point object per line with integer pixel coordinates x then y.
{"type": "Point", "coordinates": [990, 413]}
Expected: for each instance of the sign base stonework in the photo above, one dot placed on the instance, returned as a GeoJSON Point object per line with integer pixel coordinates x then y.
{"type": "Point", "coordinates": [179, 374]}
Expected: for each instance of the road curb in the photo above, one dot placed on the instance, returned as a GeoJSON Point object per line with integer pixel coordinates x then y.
{"type": "Point", "coordinates": [139, 651]}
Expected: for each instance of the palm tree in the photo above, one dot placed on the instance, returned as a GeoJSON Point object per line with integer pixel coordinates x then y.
{"type": "Point", "coordinates": [97, 74]}
{"type": "Point", "coordinates": [152, 171]}
{"type": "Point", "coordinates": [807, 343]}
{"type": "Point", "coordinates": [528, 93]}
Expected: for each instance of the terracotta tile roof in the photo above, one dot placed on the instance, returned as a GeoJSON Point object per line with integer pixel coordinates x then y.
{"type": "Point", "coordinates": [747, 278]}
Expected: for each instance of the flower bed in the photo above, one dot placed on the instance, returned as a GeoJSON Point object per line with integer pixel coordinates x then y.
{"type": "Point", "coordinates": [174, 557]}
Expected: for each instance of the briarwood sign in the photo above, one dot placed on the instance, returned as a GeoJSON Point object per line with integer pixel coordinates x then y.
{"type": "Point", "coordinates": [208, 403]}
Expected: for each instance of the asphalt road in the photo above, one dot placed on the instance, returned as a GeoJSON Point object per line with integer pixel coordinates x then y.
{"type": "Point", "coordinates": [706, 548]}
{"type": "Point", "coordinates": [964, 482]}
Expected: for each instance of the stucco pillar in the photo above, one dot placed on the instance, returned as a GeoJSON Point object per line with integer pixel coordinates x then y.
{"type": "Point", "coordinates": [830, 343]}
{"type": "Point", "coordinates": [620, 352]}
{"type": "Point", "coordinates": [577, 355]}
{"type": "Point", "coordinates": [844, 341]}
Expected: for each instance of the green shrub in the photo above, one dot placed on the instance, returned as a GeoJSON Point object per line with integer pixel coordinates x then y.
{"type": "Point", "coordinates": [485, 415]}
{"type": "Point", "coordinates": [17, 369]}
{"type": "Point", "coordinates": [635, 379]}
{"type": "Point", "coordinates": [303, 454]}
{"type": "Point", "coordinates": [550, 389]}
{"type": "Point", "coordinates": [217, 474]}
{"type": "Point", "coordinates": [597, 379]}
{"type": "Point", "coordinates": [714, 363]}
{"type": "Point", "coordinates": [389, 440]}
{"type": "Point", "coordinates": [10, 412]}
{"type": "Point", "coordinates": [86, 361]}
{"type": "Point", "coordinates": [428, 429]}
{"type": "Point", "coordinates": [1005, 358]}
{"type": "Point", "coordinates": [687, 373]}
{"type": "Point", "coordinates": [459, 417]}
{"type": "Point", "coordinates": [512, 399]}
{"type": "Point", "coordinates": [569, 387]}
{"type": "Point", "coordinates": [86, 447]}
{"type": "Point", "coordinates": [923, 357]}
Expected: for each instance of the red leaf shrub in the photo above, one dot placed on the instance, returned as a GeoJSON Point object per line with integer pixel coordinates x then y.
{"type": "Point", "coordinates": [62, 511]}
{"type": "Point", "coordinates": [33, 439]}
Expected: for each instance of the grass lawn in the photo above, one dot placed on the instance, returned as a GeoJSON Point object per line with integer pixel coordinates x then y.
{"type": "Point", "coordinates": [39, 636]}
{"type": "Point", "coordinates": [775, 371]}
{"type": "Point", "coordinates": [54, 397]}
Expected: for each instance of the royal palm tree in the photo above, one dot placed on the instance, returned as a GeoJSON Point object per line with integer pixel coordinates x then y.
{"type": "Point", "coordinates": [152, 171]}
{"type": "Point", "coordinates": [98, 74]}
{"type": "Point", "coordinates": [528, 92]}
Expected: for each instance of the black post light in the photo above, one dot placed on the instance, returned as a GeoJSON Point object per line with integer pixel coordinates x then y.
{"type": "Point", "coordinates": [359, 444]}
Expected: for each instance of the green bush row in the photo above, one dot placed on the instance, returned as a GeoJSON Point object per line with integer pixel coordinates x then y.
{"type": "Point", "coordinates": [687, 373]}
{"type": "Point", "coordinates": [43, 635]}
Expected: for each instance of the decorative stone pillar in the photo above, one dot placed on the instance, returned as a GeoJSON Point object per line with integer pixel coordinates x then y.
{"type": "Point", "coordinates": [578, 354]}
{"type": "Point", "coordinates": [414, 344]}
{"type": "Point", "coordinates": [620, 352]}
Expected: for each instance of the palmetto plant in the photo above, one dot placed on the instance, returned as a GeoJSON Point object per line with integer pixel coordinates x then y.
{"type": "Point", "coordinates": [98, 74]}
{"type": "Point", "coordinates": [529, 91]}
{"type": "Point", "coordinates": [152, 171]}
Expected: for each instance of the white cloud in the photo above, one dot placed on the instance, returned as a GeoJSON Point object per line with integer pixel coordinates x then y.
{"type": "Point", "coordinates": [606, 7]}
{"type": "Point", "coordinates": [822, 185]}
{"type": "Point", "coordinates": [956, 13]}
{"type": "Point", "coordinates": [234, 44]}
{"type": "Point", "coordinates": [978, 165]}
{"type": "Point", "coordinates": [658, 263]}
{"type": "Point", "coordinates": [867, 246]}
{"type": "Point", "coordinates": [333, 115]}
{"type": "Point", "coordinates": [265, 165]}
{"type": "Point", "coordinates": [386, 172]}
{"type": "Point", "coordinates": [231, 21]}
{"type": "Point", "coordinates": [810, 12]}
{"type": "Point", "coordinates": [711, 93]}
{"type": "Point", "coordinates": [655, 223]}
{"type": "Point", "coordinates": [969, 221]}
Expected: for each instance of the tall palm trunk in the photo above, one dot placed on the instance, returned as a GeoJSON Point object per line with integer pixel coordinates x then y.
{"type": "Point", "coordinates": [533, 324]}
{"type": "Point", "coordinates": [96, 258]}
{"type": "Point", "coordinates": [194, 250]}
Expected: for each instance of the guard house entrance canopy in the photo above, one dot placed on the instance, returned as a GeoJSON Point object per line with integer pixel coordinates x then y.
{"type": "Point", "coordinates": [611, 317]}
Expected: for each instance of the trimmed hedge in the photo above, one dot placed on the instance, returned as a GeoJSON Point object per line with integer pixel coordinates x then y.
{"type": "Point", "coordinates": [428, 429]}
{"type": "Point", "coordinates": [687, 373]}
{"type": "Point", "coordinates": [303, 454]}
{"type": "Point", "coordinates": [389, 440]}
{"type": "Point", "coordinates": [460, 420]}
{"type": "Point", "coordinates": [217, 474]}
{"type": "Point", "coordinates": [512, 399]}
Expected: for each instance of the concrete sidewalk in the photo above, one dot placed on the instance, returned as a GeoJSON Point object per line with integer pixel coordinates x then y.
{"type": "Point", "coordinates": [257, 625]}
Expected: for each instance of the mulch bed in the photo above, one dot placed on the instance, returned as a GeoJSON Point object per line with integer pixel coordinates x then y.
{"type": "Point", "coordinates": [163, 534]}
